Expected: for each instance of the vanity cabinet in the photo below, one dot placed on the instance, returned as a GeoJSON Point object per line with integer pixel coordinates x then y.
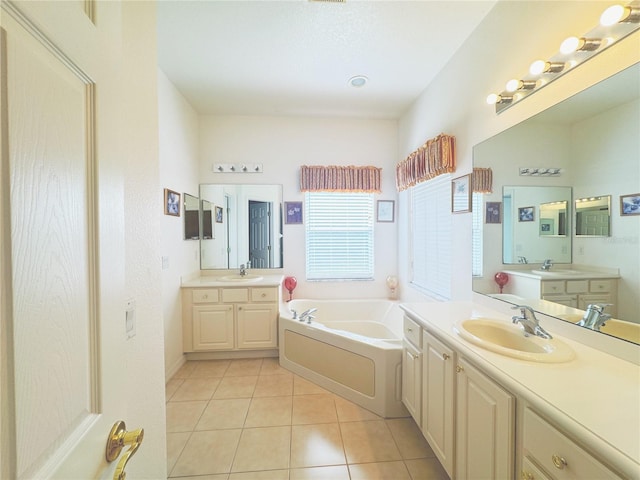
{"type": "Point", "coordinates": [581, 293]}
{"type": "Point", "coordinates": [229, 318]}
{"type": "Point", "coordinates": [412, 369]}
{"type": "Point", "coordinates": [549, 454]}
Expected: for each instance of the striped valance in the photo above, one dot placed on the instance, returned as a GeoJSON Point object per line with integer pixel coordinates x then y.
{"type": "Point", "coordinates": [435, 157]}
{"type": "Point", "coordinates": [333, 178]}
{"type": "Point", "coordinates": [482, 180]}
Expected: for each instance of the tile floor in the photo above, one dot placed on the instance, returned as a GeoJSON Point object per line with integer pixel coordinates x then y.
{"type": "Point", "coordinates": [250, 419]}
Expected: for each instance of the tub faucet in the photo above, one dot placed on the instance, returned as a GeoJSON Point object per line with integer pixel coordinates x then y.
{"type": "Point", "coordinates": [546, 266]}
{"type": "Point", "coordinates": [529, 322]}
{"type": "Point", "coordinates": [594, 317]}
{"type": "Point", "coordinates": [307, 315]}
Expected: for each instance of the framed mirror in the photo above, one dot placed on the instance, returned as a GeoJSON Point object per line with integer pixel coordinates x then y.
{"type": "Point", "coordinates": [245, 226]}
{"type": "Point", "coordinates": [191, 217]}
{"type": "Point", "coordinates": [593, 216]}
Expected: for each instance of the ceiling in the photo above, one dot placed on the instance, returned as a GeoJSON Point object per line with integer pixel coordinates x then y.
{"type": "Point", "coordinates": [296, 57]}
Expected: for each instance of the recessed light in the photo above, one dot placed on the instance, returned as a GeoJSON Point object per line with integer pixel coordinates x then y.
{"type": "Point", "coordinates": [358, 81]}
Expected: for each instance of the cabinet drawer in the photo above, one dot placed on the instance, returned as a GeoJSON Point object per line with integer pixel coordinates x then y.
{"type": "Point", "coordinates": [599, 286]}
{"type": "Point", "coordinates": [231, 295]}
{"type": "Point", "coordinates": [209, 295]}
{"type": "Point", "coordinates": [557, 454]}
{"type": "Point", "coordinates": [264, 294]}
{"type": "Point", "coordinates": [413, 332]}
{"type": "Point", "coordinates": [555, 286]}
{"type": "Point", "coordinates": [577, 286]}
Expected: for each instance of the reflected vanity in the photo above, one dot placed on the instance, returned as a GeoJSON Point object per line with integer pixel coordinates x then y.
{"type": "Point", "coordinates": [594, 251]}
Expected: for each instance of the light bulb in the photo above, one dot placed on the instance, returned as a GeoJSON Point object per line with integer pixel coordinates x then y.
{"type": "Point", "coordinates": [513, 85]}
{"type": "Point", "coordinates": [570, 45]}
{"type": "Point", "coordinates": [613, 15]}
{"type": "Point", "coordinates": [537, 67]}
{"type": "Point", "coordinates": [541, 66]}
{"type": "Point", "coordinates": [492, 98]}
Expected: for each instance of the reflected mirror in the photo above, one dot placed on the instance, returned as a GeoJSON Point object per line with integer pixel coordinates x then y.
{"type": "Point", "coordinates": [207, 220]}
{"type": "Point", "coordinates": [592, 138]}
{"type": "Point", "coordinates": [191, 217]}
{"type": "Point", "coordinates": [593, 216]}
{"type": "Point", "coordinates": [246, 226]}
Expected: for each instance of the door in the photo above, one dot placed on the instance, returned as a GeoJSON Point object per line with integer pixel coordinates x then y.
{"type": "Point", "coordinates": [412, 381]}
{"type": "Point", "coordinates": [62, 235]}
{"type": "Point", "coordinates": [260, 234]}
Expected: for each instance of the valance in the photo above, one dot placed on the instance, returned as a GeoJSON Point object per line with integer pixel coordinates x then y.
{"type": "Point", "coordinates": [333, 178]}
{"type": "Point", "coordinates": [482, 180]}
{"type": "Point", "coordinates": [435, 157]}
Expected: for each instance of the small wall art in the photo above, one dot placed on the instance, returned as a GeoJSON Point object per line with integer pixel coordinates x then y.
{"type": "Point", "coordinates": [293, 213]}
{"type": "Point", "coordinates": [219, 214]}
{"type": "Point", "coordinates": [461, 194]}
{"type": "Point", "coordinates": [171, 203]}
{"type": "Point", "coordinates": [525, 214]}
{"type": "Point", "coordinates": [630, 204]}
{"type": "Point", "coordinates": [386, 210]}
{"type": "Point", "coordinates": [493, 212]}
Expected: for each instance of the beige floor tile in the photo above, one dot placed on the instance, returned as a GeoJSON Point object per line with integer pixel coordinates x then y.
{"type": "Point", "coordinates": [409, 439]}
{"type": "Point", "coordinates": [224, 413]}
{"type": "Point", "coordinates": [302, 386]}
{"type": "Point", "coordinates": [336, 472]}
{"type": "Point", "coordinates": [183, 416]}
{"type": "Point", "coordinates": [210, 368]}
{"type": "Point", "coordinates": [368, 442]}
{"type": "Point", "coordinates": [426, 469]}
{"type": "Point", "coordinates": [175, 444]}
{"type": "Point", "coordinates": [207, 453]}
{"type": "Point", "coordinates": [310, 409]}
{"type": "Point", "coordinates": [274, 386]}
{"type": "Point", "coordinates": [196, 389]}
{"type": "Point", "coordinates": [269, 412]}
{"type": "Point", "coordinates": [350, 412]}
{"type": "Point", "coordinates": [236, 387]}
{"type": "Point", "coordinates": [267, 475]}
{"type": "Point", "coordinates": [271, 366]}
{"type": "Point", "coordinates": [244, 367]}
{"type": "Point", "coordinates": [171, 387]}
{"type": "Point", "coordinates": [222, 476]}
{"type": "Point", "coordinates": [379, 471]}
{"type": "Point", "coordinates": [263, 449]}
{"type": "Point", "coordinates": [185, 370]}
{"type": "Point", "coordinates": [316, 445]}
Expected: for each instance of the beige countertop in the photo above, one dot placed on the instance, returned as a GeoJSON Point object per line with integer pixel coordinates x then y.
{"type": "Point", "coordinates": [595, 397]}
{"type": "Point", "coordinates": [212, 281]}
{"type": "Point", "coordinates": [561, 274]}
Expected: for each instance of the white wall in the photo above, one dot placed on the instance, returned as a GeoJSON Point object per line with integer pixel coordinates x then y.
{"type": "Point", "coordinates": [178, 152]}
{"type": "Point", "coordinates": [282, 145]}
{"type": "Point", "coordinates": [502, 47]}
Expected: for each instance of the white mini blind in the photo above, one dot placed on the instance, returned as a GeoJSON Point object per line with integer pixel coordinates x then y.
{"type": "Point", "coordinates": [476, 234]}
{"type": "Point", "coordinates": [431, 236]}
{"type": "Point", "coordinates": [339, 235]}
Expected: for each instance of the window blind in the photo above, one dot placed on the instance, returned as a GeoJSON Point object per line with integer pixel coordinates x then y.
{"type": "Point", "coordinates": [339, 235]}
{"type": "Point", "coordinates": [476, 234]}
{"type": "Point", "coordinates": [431, 236]}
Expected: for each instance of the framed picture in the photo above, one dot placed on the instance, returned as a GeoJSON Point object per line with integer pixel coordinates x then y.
{"type": "Point", "coordinates": [293, 213]}
{"type": "Point", "coordinates": [547, 226]}
{"type": "Point", "coordinates": [461, 194]}
{"type": "Point", "coordinates": [630, 204]}
{"type": "Point", "coordinates": [525, 214]}
{"type": "Point", "coordinates": [493, 212]}
{"type": "Point", "coordinates": [219, 214]}
{"type": "Point", "coordinates": [386, 210]}
{"type": "Point", "coordinates": [171, 203]}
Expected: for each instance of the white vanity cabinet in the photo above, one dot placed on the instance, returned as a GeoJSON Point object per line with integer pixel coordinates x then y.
{"type": "Point", "coordinates": [229, 318]}
{"type": "Point", "coordinates": [549, 454]}
{"type": "Point", "coordinates": [581, 293]}
{"type": "Point", "coordinates": [412, 369]}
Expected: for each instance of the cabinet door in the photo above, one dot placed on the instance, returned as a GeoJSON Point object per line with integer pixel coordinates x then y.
{"type": "Point", "coordinates": [438, 398]}
{"type": "Point", "coordinates": [212, 327]}
{"type": "Point", "coordinates": [412, 381]}
{"type": "Point", "coordinates": [257, 326]}
{"type": "Point", "coordinates": [484, 426]}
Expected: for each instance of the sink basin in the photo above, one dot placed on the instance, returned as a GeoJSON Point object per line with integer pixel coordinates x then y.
{"type": "Point", "coordinates": [557, 271]}
{"type": "Point", "coordinates": [506, 339]}
{"type": "Point", "coordinates": [618, 328]}
{"type": "Point", "coordinates": [249, 277]}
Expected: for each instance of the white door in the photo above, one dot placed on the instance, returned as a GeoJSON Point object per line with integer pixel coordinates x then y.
{"type": "Point", "coordinates": [62, 255]}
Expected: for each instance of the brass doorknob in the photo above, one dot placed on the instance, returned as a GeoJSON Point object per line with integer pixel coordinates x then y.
{"type": "Point", "coordinates": [118, 439]}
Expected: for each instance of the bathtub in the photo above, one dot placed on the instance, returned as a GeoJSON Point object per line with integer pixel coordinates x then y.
{"type": "Point", "coordinates": [352, 348]}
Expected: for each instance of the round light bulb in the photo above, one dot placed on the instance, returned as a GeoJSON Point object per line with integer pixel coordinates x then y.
{"type": "Point", "coordinates": [613, 15]}
{"type": "Point", "coordinates": [493, 98]}
{"type": "Point", "coordinates": [537, 67]}
{"type": "Point", "coordinates": [570, 45]}
{"type": "Point", "coordinates": [513, 85]}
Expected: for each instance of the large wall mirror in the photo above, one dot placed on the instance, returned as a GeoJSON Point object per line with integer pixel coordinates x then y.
{"type": "Point", "coordinates": [246, 226]}
{"type": "Point", "coordinates": [593, 139]}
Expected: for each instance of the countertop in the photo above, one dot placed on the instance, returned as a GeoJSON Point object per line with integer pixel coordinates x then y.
{"type": "Point", "coordinates": [595, 397]}
{"type": "Point", "coordinates": [210, 281]}
{"type": "Point", "coordinates": [559, 274]}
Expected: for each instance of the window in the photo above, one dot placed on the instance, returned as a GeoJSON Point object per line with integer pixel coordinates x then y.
{"type": "Point", "coordinates": [431, 236]}
{"type": "Point", "coordinates": [339, 235]}
{"type": "Point", "coordinates": [476, 234]}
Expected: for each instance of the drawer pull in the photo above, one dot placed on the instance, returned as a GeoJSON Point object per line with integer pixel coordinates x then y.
{"type": "Point", "coordinates": [415, 357]}
{"type": "Point", "coordinates": [263, 295]}
{"type": "Point", "coordinates": [527, 476]}
{"type": "Point", "coordinates": [459, 369]}
{"type": "Point", "coordinates": [445, 356]}
{"type": "Point", "coordinates": [409, 329]}
{"type": "Point", "coordinates": [559, 462]}
{"type": "Point", "coordinates": [205, 296]}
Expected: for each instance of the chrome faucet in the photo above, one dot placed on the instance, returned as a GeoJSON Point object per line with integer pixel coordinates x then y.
{"type": "Point", "coordinates": [307, 315]}
{"type": "Point", "coordinates": [546, 266]}
{"type": "Point", "coordinates": [243, 270]}
{"type": "Point", "coordinates": [529, 322]}
{"type": "Point", "coordinates": [522, 259]}
{"type": "Point", "coordinates": [594, 317]}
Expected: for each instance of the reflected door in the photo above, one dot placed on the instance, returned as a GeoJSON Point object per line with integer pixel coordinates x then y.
{"type": "Point", "coordinates": [259, 234]}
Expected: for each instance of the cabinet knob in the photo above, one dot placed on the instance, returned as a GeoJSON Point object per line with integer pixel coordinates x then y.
{"type": "Point", "coordinates": [409, 329]}
{"type": "Point", "coordinates": [205, 296]}
{"type": "Point", "coordinates": [559, 462]}
{"type": "Point", "coordinates": [415, 357]}
{"type": "Point", "coordinates": [445, 356]}
{"type": "Point", "coordinates": [459, 369]}
{"type": "Point", "coordinates": [263, 295]}
{"type": "Point", "coordinates": [526, 476]}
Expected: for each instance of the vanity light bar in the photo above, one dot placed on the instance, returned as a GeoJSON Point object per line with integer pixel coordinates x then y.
{"type": "Point", "coordinates": [237, 168]}
{"type": "Point", "coordinates": [539, 171]}
{"type": "Point", "coordinates": [616, 23]}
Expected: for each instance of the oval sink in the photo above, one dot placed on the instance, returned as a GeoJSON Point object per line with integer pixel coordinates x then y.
{"type": "Point", "coordinates": [555, 272]}
{"type": "Point", "coordinates": [249, 277]}
{"type": "Point", "coordinates": [509, 340]}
